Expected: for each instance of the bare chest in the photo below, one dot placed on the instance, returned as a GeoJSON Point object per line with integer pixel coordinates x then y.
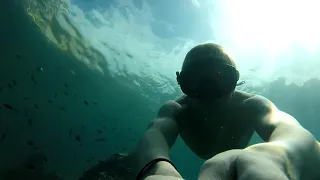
{"type": "Point", "coordinates": [209, 134]}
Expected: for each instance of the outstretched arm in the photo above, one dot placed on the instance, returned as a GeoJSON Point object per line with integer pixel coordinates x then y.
{"type": "Point", "coordinates": [157, 141]}
{"type": "Point", "coordinates": [279, 128]}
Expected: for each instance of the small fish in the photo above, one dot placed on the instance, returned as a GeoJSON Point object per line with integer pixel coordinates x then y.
{"type": "Point", "coordinates": [83, 127]}
{"type": "Point", "coordinates": [33, 79]}
{"type": "Point", "coordinates": [26, 98]}
{"type": "Point", "coordinates": [55, 94]}
{"type": "Point", "coordinates": [15, 110]}
{"type": "Point", "coordinates": [36, 106]}
{"type": "Point", "coordinates": [31, 167]}
{"type": "Point", "coordinates": [8, 106]}
{"type": "Point", "coordinates": [10, 86]}
{"type": "Point", "coordinates": [62, 109]}
{"type": "Point", "coordinates": [30, 143]}
{"type": "Point", "coordinates": [101, 161]}
{"type": "Point", "coordinates": [80, 145]}
{"type": "Point", "coordinates": [78, 138]}
{"type": "Point", "coordinates": [1, 89]}
{"type": "Point", "coordinates": [66, 93]}
{"type": "Point", "coordinates": [18, 56]}
{"type": "Point", "coordinates": [92, 157]}
{"type": "Point", "coordinates": [66, 85]}
{"type": "Point", "coordinates": [86, 102]}
{"type": "Point", "coordinates": [95, 103]}
{"type": "Point", "coordinates": [39, 69]}
{"type": "Point", "coordinates": [104, 126]}
{"type": "Point", "coordinates": [49, 101]}
{"type": "Point", "coordinates": [75, 95]}
{"type": "Point", "coordinates": [3, 136]}
{"type": "Point", "coordinates": [45, 159]}
{"type": "Point", "coordinates": [124, 149]}
{"type": "Point", "coordinates": [30, 121]}
{"type": "Point", "coordinates": [129, 55]}
{"type": "Point", "coordinates": [70, 132]}
{"type": "Point", "coordinates": [99, 131]}
{"type": "Point", "coordinates": [129, 129]}
{"type": "Point", "coordinates": [72, 72]}
{"type": "Point", "coordinates": [88, 160]}
{"type": "Point", "coordinates": [14, 82]}
{"type": "Point", "coordinates": [100, 140]}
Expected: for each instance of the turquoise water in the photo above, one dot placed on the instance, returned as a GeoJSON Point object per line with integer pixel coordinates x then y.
{"type": "Point", "coordinates": [76, 99]}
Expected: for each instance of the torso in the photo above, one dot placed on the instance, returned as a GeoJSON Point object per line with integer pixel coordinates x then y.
{"type": "Point", "coordinates": [219, 130]}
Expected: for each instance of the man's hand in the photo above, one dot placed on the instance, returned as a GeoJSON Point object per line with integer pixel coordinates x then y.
{"type": "Point", "coordinates": [258, 162]}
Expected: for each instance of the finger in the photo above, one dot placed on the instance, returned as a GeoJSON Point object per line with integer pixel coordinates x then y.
{"type": "Point", "coordinates": [220, 167]}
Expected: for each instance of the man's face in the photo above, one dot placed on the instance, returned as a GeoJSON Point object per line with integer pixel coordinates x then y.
{"type": "Point", "coordinates": [211, 81]}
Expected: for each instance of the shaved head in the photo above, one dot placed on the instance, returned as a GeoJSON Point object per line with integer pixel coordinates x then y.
{"type": "Point", "coordinates": [208, 50]}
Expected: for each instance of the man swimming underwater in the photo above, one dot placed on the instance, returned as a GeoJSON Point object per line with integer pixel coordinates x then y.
{"type": "Point", "coordinates": [216, 122]}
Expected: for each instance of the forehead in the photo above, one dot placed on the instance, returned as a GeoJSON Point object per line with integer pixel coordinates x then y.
{"type": "Point", "coordinates": [205, 62]}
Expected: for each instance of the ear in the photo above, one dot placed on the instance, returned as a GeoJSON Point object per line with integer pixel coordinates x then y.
{"type": "Point", "coordinates": [238, 75]}
{"type": "Point", "coordinates": [178, 77]}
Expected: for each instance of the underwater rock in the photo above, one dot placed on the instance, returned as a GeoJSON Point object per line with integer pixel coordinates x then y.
{"type": "Point", "coordinates": [30, 173]}
{"type": "Point", "coordinates": [117, 167]}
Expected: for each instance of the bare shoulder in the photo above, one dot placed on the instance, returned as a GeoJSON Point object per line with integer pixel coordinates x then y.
{"type": "Point", "coordinates": [169, 108]}
{"type": "Point", "coordinates": [240, 97]}
{"type": "Point", "coordinates": [182, 100]}
{"type": "Point", "coordinates": [259, 104]}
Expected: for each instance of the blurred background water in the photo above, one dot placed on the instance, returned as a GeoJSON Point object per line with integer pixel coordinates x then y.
{"type": "Point", "coordinates": [80, 80]}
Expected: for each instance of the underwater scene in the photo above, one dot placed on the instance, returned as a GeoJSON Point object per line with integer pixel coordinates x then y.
{"type": "Point", "coordinates": [80, 80]}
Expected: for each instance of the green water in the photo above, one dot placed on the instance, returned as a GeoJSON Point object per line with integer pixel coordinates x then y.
{"type": "Point", "coordinates": [61, 106]}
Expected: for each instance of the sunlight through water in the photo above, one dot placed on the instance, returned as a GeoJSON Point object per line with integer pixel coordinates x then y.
{"type": "Point", "coordinates": [268, 39]}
